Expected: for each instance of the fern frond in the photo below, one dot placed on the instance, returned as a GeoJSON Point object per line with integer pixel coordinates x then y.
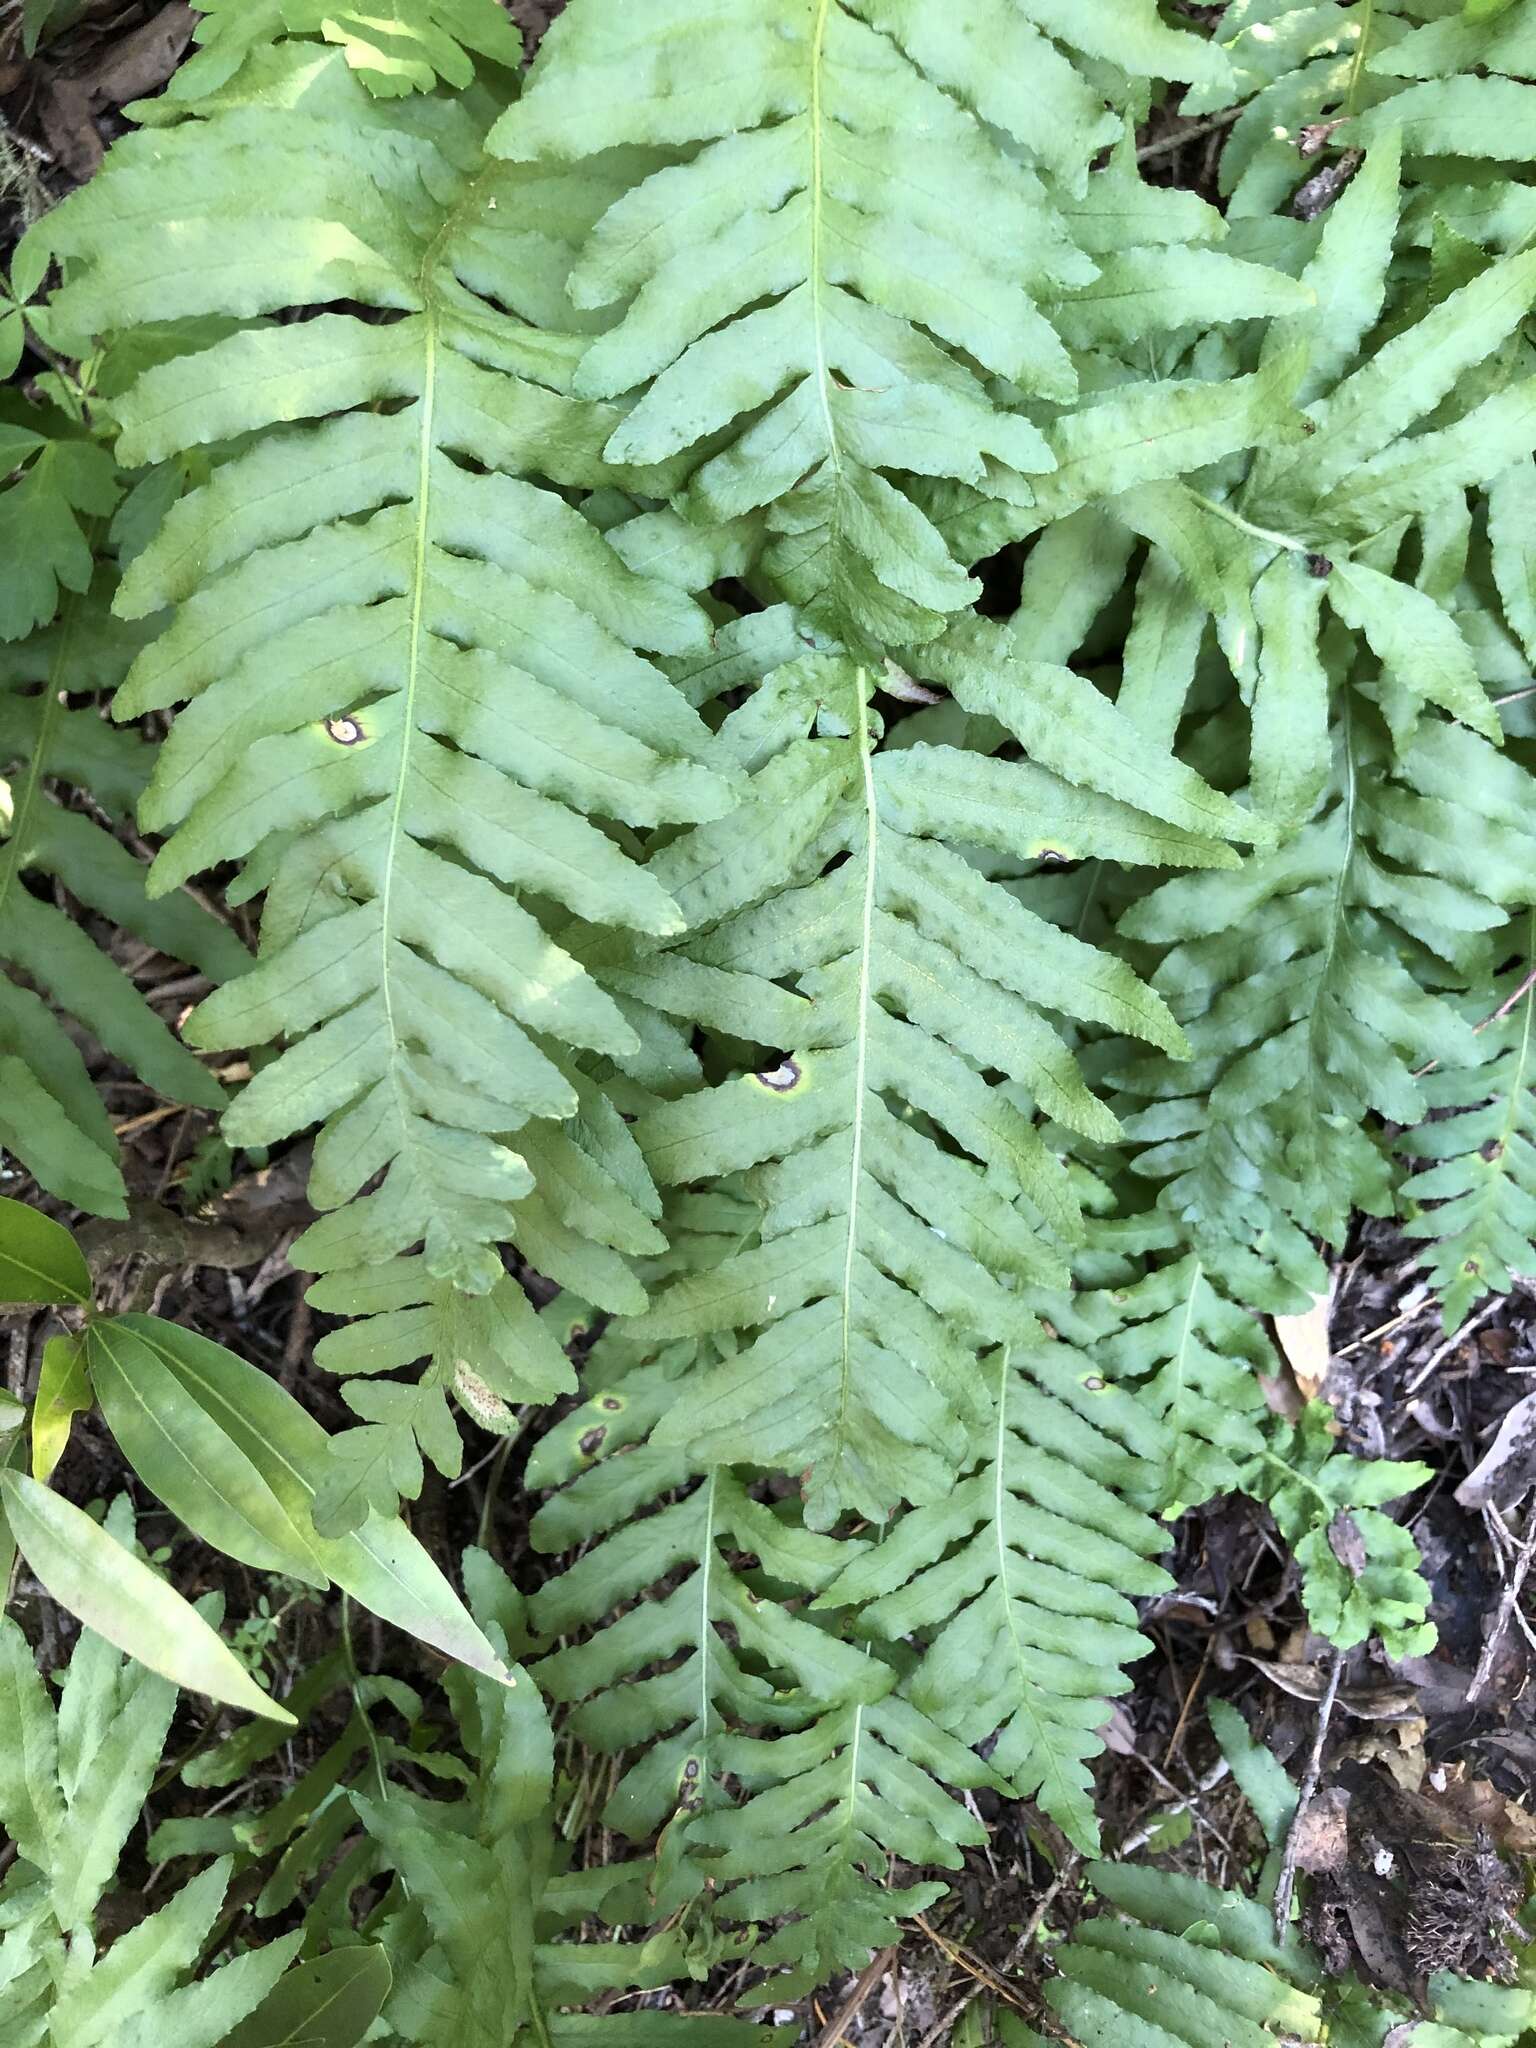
{"type": "Point", "coordinates": [406, 50]}
{"type": "Point", "coordinates": [1193, 1360]}
{"type": "Point", "coordinates": [1345, 74]}
{"type": "Point", "coordinates": [1482, 1179]}
{"type": "Point", "coordinates": [411, 683]}
{"type": "Point", "coordinates": [1308, 989]}
{"type": "Point", "coordinates": [68, 776]}
{"type": "Point", "coordinates": [908, 1206]}
{"type": "Point", "coordinates": [474, 1924]}
{"type": "Point", "coordinates": [1020, 1583]}
{"type": "Point", "coordinates": [1360, 1569]}
{"type": "Point", "coordinates": [846, 331]}
{"type": "Point", "coordinates": [1176, 1958]}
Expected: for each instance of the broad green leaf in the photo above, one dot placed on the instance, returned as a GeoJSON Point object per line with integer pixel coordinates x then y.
{"type": "Point", "coordinates": [182, 1451]}
{"type": "Point", "coordinates": [110, 1590]}
{"type": "Point", "coordinates": [63, 1392]}
{"type": "Point", "coordinates": [40, 1263]}
{"type": "Point", "coordinates": [381, 1564]}
{"type": "Point", "coordinates": [328, 2003]}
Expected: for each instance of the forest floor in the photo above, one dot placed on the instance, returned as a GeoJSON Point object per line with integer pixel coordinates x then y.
{"type": "Point", "coordinates": [1433, 1754]}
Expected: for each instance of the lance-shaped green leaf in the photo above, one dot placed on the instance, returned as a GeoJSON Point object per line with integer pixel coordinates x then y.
{"type": "Point", "coordinates": [380, 1564]}
{"type": "Point", "coordinates": [63, 1392]}
{"type": "Point", "coordinates": [40, 1262]}
{"type": "Point", "coordinates": [182, 1452]}
{"type": "Point", "coordinates": [110, 1590]}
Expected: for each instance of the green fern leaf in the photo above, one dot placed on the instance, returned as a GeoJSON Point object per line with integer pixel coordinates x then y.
{"type": "Point", "coordinates": [1339, 72]}
{"type": "Point", "coordinates": [1360, 1569]}
{"type": "Point", "coordinates": [63, 488]}
{"type": "Point", "coordinates": [1177, 1959]}
{"type": "Point", "coordinates": [883, 1256]}
{"type": "Point", "coordinates": [1193, 1360]}
{"type": "Point", "coordinates": [397, 604]}
{"type": "Point", "coordinates": [51, 1117]}
{"type": "Point", "coordinates": [1482, 1225]}
{"type": "Point", "coordinates": [1019, 1581]}
{"type": "Point", "coordinates": [404, 49]}
{"type": "Point", "coordinates": [1296, 983]}
{"type": "Point", "coordinates": [481, 1894]}
{"type": "Point", "coordinates": [836, 347]}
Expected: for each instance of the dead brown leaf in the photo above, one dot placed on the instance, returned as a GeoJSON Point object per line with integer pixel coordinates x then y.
{"type": "Point", "coordinates": [134, 65]}
{"type": "Point", "coordinates": [1320, 1839]}
{"type": "Point", "coordinates": [1304, 1341]}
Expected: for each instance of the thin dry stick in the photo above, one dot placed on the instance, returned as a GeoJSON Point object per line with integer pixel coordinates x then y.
{"type": "Point", "coordinates": [863, 1984]}
{"type": "Point", "coordinates": [1139, 1840]}
{"type": "Point", "coordinates": [1167, 144]}
{"type": "Point", "coordinates": [1457, 1338]}
{"type": "Point", "coordinates": [1508, 1609]}
{"type": "Point", "coordinates": [1286, 1887]}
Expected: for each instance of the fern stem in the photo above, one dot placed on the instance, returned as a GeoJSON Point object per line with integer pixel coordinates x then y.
{"type": "Point", "coordinates": [818, 42]}
{"type": "Point", "coordinates": [1362, 51]}
{"type": "Point", "coordinates": [412, 679]}
{"type": "Point", "coordinates": [1280, 540]}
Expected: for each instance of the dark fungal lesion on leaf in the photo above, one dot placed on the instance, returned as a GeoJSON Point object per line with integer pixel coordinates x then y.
{"type": "Point", "coordinates": [345, 731]}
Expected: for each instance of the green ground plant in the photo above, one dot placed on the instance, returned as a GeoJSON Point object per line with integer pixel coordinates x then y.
{"type": "Point", "coordinates": [892, 757]}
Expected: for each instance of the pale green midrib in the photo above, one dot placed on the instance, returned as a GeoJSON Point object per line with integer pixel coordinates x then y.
{"type": "Point", "coordinates": [422, 542]}
{"type": "Point", "coordinates": [1186, 1334]}
{"type": "Point", "coordinates": [861, 1052]}
{"type": "Point", "coordinates": [850, 1828]}
{"type": "Point", "coordinates": [814, 216]}
{"type": "Point", "coordinates": [13, 848]}
{"type": "Point", "coordinates": [396, 1045]}
{"type": "Point", "coordinates": [706, 1594]}
{"type": "Point", "coordinates": [1337, 916]}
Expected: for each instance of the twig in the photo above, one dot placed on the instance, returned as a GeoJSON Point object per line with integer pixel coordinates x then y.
{"type": "Point", "coordinates": [1457, 1337]}
{"type": "Point", "coordinates": [1139, 1840]}
{"type": "Point", "coordinates": [1508, 1608]}
{"type": "Point", "coordinates": [863, 1984]}
{"type": "Point", "coordinates": [1167, 144]}
{"type": "Point", "coordinates": [1509, 1002]}
{"type": "Point", "coordinates": [1286, 1886]}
